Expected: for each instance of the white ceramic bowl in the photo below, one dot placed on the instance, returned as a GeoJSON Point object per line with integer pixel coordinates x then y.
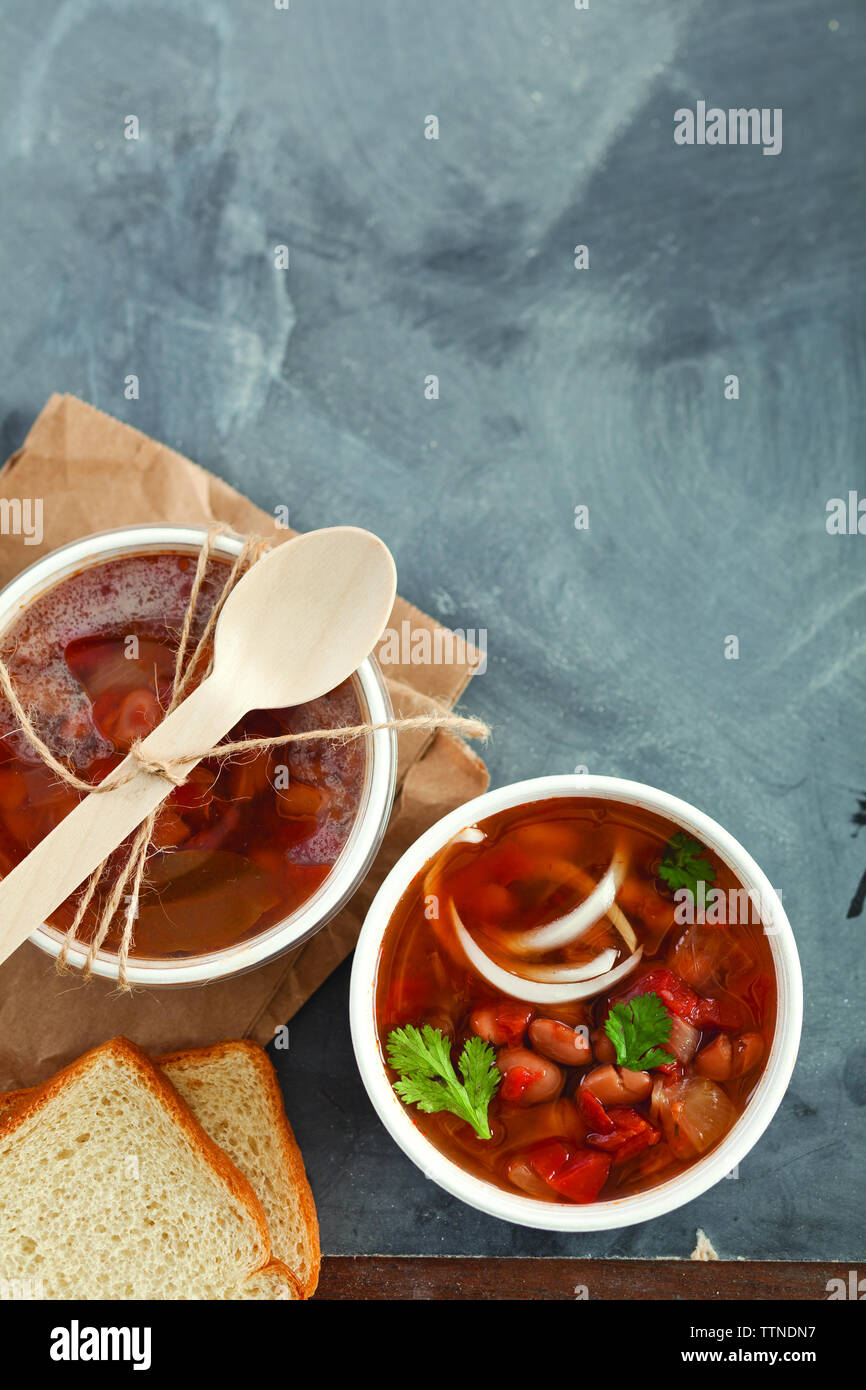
{"type": "Point", "coordinates": [370, 822]}
{"type": "Point", "coordinates": [618, 1211]}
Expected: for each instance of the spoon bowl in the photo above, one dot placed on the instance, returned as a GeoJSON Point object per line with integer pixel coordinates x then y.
{"type": "Point", "coordinates": [300, 620]}
{"type": "Point", "coordinates": [281, 639]}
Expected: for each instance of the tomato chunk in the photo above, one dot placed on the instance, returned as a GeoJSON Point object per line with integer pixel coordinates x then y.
{"type": "Point", "coordinates": [682, 1001]}
{"type": "Point", "coordinates": [632, 1133]}
{"type": "Point", "coordinates": [517, 1081]}
{"type": "Point", "coordinates": [594, 1112]}
{"type": "Point", "coordinates": [131, 718]}
{"type": "Point", "coordinates": [170, 830]}
{"type": "Point", "coordinates": [578, 1175]}
{"type": "Point", "coordinates": [583, 1177]}
{"type": "Point", "coordinates": [675, 1071]}
{"type": "Point", "coordinates": [671, 990]}
{"type": "Point", "coordinates": [503, 1025]}
{"type": "Point", "coordinates": [548, 1157]}
{"type": "Point", "coordinates": [512, 1020]}
{"type": "Point", "coordinates": [721, 1013]}
{"type": "Point", "coordinates": [196, 792]}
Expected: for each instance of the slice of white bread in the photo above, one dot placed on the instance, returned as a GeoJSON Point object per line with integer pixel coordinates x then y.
{"type": "Point", "coordinates": [235, 1096]}
{"type": "Point", "coordinates": [233, 1092]}
{"type": "Point", "coordinates": [274, 1282]}
{"type": "Point", "coordinates": [10, 1099]}
{"type": "Point", "coordinates": [109, 1188]}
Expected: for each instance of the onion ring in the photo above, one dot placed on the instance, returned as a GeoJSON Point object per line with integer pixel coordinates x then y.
{"type": "Point", "coordinates": [528, 990]}
{"type": "Point", "coordinates": [565, 931]}
{"type": "Point", "coordinates": [555, 974]}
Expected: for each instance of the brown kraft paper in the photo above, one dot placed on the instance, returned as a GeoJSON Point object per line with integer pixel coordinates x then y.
{"type": "Point", "coordinates": [91, 473]}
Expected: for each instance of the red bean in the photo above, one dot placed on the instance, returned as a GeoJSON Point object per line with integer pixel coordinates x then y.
{"type": "Point", "coordinates": [726, 1057]}
{"type": "Point", "coordinates": [636, 1084]}
{"type": "Point", "coordinates": [522, 1175]}
{"type": "Point", "coordinates": [618, 1085]}
{"type": "Point", "coordinates": [528, 1079]}
{"type": "Point", "coordinates": [715, 1059]}
{"type": "Point", "coordinates": [748, 1051]}
{"type": "Point", "coordinates": [602, 1046]}
{"type": "Point", "coordinates": [503, 1025]}
{"type": "Point", "coordinates": [569, 1046]}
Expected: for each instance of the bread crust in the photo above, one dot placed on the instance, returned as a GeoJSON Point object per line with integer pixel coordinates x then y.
{"type": "Point", "coordinates": [9, 1099]}
{"type": "Point", "coordinates": [31, 1103]}
{"type": "Point", "coordinates": [11, 1102]}
{"type": "Point", "coordinates": [280, 1270]}
{"type": "Point", "coordinates": [291, 1153]}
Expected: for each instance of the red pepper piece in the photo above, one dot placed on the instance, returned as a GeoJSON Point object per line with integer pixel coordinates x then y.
{"type": "Point", "coordinates": [583, 1177]}
{"type": "Point", "coordinates": [196, 792]}
{"type": "Point", "coordinates": [594, 1112]}
{"type": "Point", "coordinates": [682, 1001]}
{"type": "Point", "coordinates": [632, 1134]}
{"type": "Point", "coordinates": [633, 1146]}
{"type": "Point", "coordinates": [672, 991]}
{"type": "Point", "coordinates": [548, 1158]}
{"type": "Point", "coordinates": [674, 1071]}
{"type": "Point", "coordinates": [128, 717]}
{"type": "Point", "coordinates": [721, 1013]}
{"type": "Point", "coordinates": [512, 1021]}
{"type": "Point", "coordinates": [517, 1081]}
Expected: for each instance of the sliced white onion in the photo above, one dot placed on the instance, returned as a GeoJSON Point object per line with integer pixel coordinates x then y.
{"type": "Point", "coordinates": [623, 926]}
{"type": "Point", "coordinates": [615, 915]}
{"type": "Point", "coordinates": [470, 836]}
{"type": "Point", "coordinates": [683, 1041]}
{"type": "Point", "coordinates": [529, 990]}
{"type": "Point", "coordinates": [570, 928]}
{"type": "Point", "coordinates": [560, 974]}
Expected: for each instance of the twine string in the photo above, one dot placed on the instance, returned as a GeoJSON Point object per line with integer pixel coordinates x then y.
{"type": "Point", "coordinates": [129, 880]}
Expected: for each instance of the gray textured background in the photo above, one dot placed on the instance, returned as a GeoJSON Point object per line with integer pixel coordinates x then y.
{"type": "Point", "coordinates": [558, 387]}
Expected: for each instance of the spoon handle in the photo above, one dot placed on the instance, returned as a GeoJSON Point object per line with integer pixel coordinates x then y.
{"type": "Point", "coordinates": [98, 824]}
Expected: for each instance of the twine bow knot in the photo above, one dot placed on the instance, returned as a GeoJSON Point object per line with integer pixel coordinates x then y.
{"type": "Point", "coordinates": [175, 771]}
{"type": "Point", "coordinates": [170, 771]}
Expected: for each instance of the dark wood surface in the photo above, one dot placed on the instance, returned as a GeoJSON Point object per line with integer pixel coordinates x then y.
{"type": "Point", "coordinates": [377, 1277]}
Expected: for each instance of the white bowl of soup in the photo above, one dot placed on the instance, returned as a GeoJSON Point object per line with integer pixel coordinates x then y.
{"type": "Point", "coordinates": [576, 1003]}
{"type": "Point", "coordinates": [251, 855]}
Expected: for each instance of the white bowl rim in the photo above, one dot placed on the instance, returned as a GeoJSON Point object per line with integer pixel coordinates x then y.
{"type": "Point", "coordinates": [616, 1212]}
{"type": "Point", "coordinates": [367, 830]}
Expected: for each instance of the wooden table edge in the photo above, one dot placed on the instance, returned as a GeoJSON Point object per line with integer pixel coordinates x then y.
{"type": "Point", "coordinates": [410, 1277]}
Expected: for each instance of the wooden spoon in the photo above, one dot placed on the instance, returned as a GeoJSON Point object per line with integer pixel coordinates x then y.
{"type": "Point", "coordinates": [297, 624]}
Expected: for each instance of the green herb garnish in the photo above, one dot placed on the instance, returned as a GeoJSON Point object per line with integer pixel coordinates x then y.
{"type": "Point", "coordinates": [428, 1079]}
{"type": "Point", "coordinates": [637, 1029]}
{"type": "Point", "coordinates": [683, 867]}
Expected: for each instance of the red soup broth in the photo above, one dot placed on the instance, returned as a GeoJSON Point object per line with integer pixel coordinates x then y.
{"type": "Point", "coordinates": [243, 843]}
{"type": "Point", "coordinates": [550, 1139]}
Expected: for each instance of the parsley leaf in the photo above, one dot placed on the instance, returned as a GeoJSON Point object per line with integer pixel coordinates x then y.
{"type": "Point", "coordinates": [683, 867]}
{"type": "Point", "coordinates": [428, 1079]}
{"type": "Point", "coordinates": [637, 1029]}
